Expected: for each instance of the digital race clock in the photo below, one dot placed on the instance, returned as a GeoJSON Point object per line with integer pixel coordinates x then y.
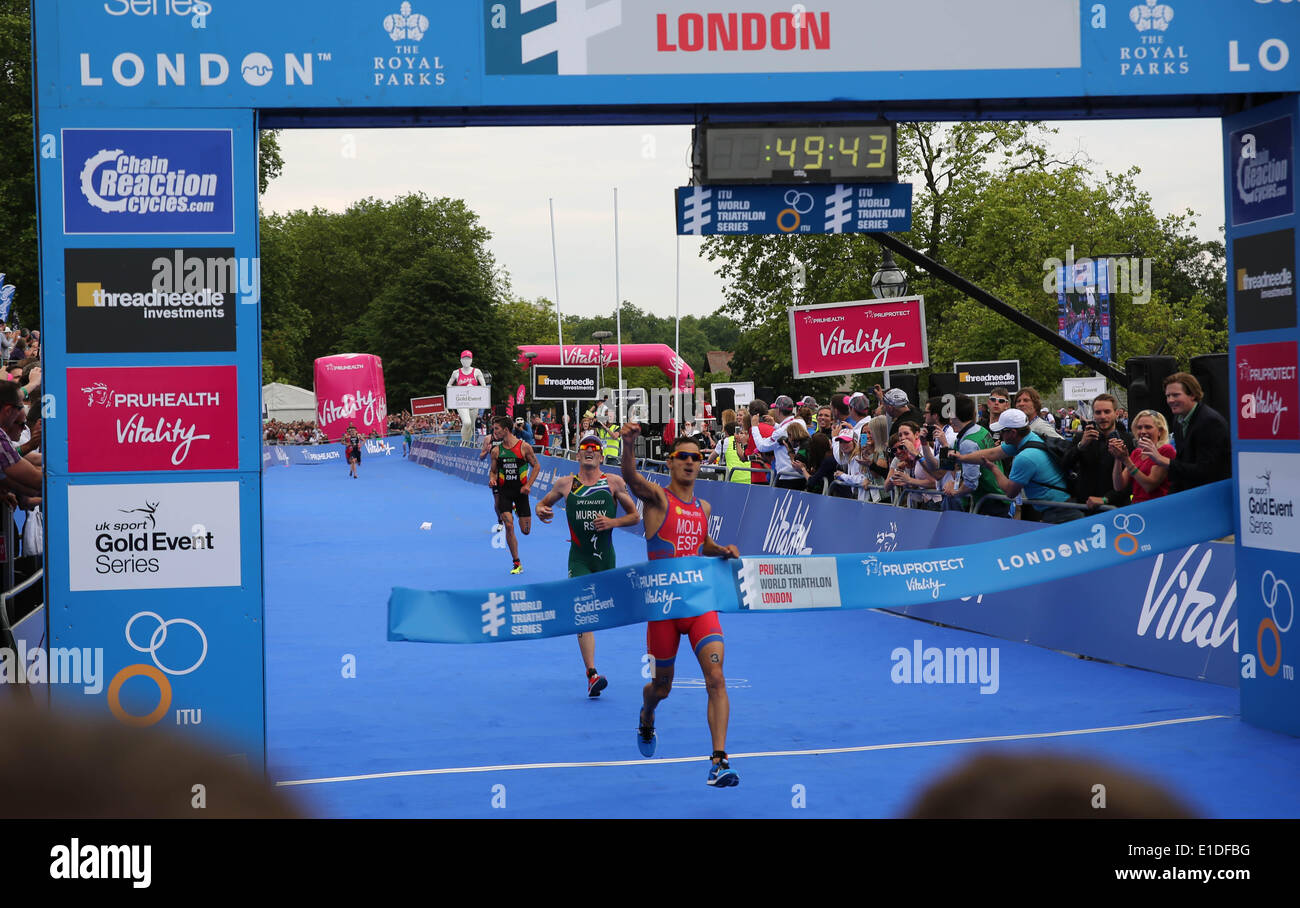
{"type": "Point", "coordinates": [795, 153]}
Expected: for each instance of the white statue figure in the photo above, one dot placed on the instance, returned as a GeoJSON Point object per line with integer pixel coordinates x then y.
{"type": "Point", "coordinates": [463, 377]}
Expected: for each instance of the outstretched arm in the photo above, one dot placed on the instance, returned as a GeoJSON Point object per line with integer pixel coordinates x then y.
{"type": "Point", "coordinates": [637, 484]}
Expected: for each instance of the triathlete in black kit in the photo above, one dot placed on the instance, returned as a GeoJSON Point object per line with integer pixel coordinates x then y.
{"type": "Point", "coordinates": [352, 450]}
{"type": "Point", "coordinates": [514, 466]}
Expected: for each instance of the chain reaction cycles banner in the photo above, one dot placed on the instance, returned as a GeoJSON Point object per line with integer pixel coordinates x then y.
{"type": "Point", "coordinates": [685, 587]}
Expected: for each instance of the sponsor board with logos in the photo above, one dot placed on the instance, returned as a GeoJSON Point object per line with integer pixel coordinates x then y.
{"type": "Point", "coordinates": [1082, 388]}
{"type": "Point", "coordinates": [423, 406]}
{"type": "Point", "coordinates": [1263, 277]}
{"type": "Point", "coordinates": [978, 378]}
{"type": "Point", "coordinates": [142, 418]}
{"type": "Point", "coordinates": [789, 583]}
{"type": "Point", "coordinates": [1269, 492]}
{"type": "Point", "coordinates": [1262, 164]}
{"type": "Point", "coordinates": [417, 52]}
{"type": "Point", "coordinates": [1268, 392]}
{"type": "Point", "coordinates": [470, 397]}
{"type": "Point", "coordinates": [784, 210]}
{"type": "Point", "coordinates": [859, 336]}
{"type": "Point", "coordinates": [152, 536]}
{"type": "Point", "coordinates": [153, 300]}
{"type": "Point", "coordinates": [565, 382]}
{"type": "Point", "coordinates": [132, 181]}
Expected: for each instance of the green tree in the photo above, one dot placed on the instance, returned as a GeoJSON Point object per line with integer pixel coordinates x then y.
{"type": "Point", "coordinates": [18, 236]}
{"type": "Point", "coordinates": [425, 315]}
{"type": "Point", "coordinates": [992, 206]}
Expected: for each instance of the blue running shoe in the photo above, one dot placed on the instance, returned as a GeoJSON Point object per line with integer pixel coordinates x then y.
{"type": "Point", "coordinates": [646, 739]}
{"type": "Point", "coordinates": [721, 775]}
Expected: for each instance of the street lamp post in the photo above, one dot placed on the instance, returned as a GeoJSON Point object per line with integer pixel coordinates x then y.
{"type": "Point", "coordinates": [888, 282]}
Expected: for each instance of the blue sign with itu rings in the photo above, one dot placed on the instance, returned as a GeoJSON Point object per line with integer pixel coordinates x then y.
{"type": "Point", "coordinates": [1262, 171]}
{"type": "Point", "coordinates": [755, 210]}
{"type": "Point", "coordinates": [129, 181]}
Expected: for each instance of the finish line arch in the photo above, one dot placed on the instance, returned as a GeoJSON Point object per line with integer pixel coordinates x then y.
{"type": "Point", "coordinates": [147, 119]}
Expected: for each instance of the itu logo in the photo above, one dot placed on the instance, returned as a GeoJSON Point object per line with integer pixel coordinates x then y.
{"type": "Point", "coordinates": [1275, 593]}
{"type": "Point", "coordinates": [494, 614]}
{"type": "Point", "coordinates": [158, 672]}
{"type": "Point", "coordinates": [1153, 16]}
{"type": "Point", "coordinates": [566, 37]}
{"type": "Point", "coordinates": [1130, 527]}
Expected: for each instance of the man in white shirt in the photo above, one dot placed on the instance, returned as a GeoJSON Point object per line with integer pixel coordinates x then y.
{"type": "Point", "coordinates": [788, 476]}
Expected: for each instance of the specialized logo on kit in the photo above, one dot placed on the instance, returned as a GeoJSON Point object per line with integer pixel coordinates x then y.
{"type": "Point", "coordinates": [130, 181]}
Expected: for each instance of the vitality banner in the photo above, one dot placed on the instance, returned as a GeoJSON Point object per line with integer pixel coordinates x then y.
{"type": "Point", "coordinates": [686, 587]}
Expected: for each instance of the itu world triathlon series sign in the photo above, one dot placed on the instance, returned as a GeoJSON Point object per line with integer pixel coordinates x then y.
{"type": "Point", "coordinates": [753, 210]}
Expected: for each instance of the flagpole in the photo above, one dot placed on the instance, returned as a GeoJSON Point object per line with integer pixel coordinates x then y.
{"type": "Point", "coordinates": [559, 324]}
{"type": "Point", "coordinates": [677, 346]}
{"type": "Point", "coordinates": [618, 315]}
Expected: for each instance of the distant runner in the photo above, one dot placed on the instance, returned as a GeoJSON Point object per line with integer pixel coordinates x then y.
{"type": "Point", "coordinates": [352, 450]}
{"type": "Point", "coordinates": [591, 499]}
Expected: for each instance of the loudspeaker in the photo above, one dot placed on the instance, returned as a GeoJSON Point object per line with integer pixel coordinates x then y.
{"type": "Point", "coordinates": [1211, 370]}
{"type": "Point", "coordinates": [766, 395]}
{"type": "Point", "coordinates": [908, 382]}
{"type": "Point", "coordinates": [1146, 378]}
{"type": "Point", "coordinates": [942, 383]}
{"type": "Point", "coordinates": [726, 401]}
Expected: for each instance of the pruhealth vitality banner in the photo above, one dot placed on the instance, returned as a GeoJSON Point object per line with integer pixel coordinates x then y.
{"type": "Point", "coordinates": [350, 392]}
{"type": "Point", "coordinates": [859, 336]}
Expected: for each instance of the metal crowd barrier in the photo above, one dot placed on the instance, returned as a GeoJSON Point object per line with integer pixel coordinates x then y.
{"type": "Point", "coordinates": [1039, 503]}
{"type": "Point", "coordinates": [751, 471]}
{"type": "Point", "coordinates": [10, 589]}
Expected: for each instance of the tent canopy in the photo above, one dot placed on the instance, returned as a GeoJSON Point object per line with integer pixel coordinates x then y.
{"type": "Point", "coordinates": [288, 403]}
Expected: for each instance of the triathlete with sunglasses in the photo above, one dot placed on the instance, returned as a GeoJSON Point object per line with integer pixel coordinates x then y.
{"type": "Point", "coordinates": [591, 499]}
{"type": "Point", "coordinates": [676, 525]}
{"type": "Point", "coordinates": [514, 466]}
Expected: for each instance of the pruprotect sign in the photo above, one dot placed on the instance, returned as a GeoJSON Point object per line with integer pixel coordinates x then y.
{"type": "Point", "coordinates": [859, 336]}
{"type": "Point", "coordinates": [130, 181]}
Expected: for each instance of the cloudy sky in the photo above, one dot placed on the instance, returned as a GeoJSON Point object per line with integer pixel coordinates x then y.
{"type": "Point", "coordinates": [507, 176]}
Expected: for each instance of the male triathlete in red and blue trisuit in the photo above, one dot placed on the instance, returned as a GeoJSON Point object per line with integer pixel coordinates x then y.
{"type": "Point", "coordinates": [676, 525]}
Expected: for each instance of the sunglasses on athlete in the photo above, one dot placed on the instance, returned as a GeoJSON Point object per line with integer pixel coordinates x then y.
{"type": "Point", "coordinates": [687, 455]}
{"type": "Point", "coordinates": [590, 446]}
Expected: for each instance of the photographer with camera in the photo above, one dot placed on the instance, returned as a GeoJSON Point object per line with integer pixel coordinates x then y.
{"type": "Point", "coordinates": [970, 482]}
{"type": "Point", "coordinates": [1092, 458]}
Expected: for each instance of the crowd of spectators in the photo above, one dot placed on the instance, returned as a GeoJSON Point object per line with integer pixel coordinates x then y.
{"type": "Point", "coordinates": [21, 455]}
{"type": "Point", "coordinates": [1010, 457]}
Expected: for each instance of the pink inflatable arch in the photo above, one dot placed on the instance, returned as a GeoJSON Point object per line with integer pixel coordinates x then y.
{"type": "Point", "coordinates": [660, 355]}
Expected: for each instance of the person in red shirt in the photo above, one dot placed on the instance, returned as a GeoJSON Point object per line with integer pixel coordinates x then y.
{"type": "Point", "coordinates": [1148, 478]}
{"type": "Point", "coordinates": [676, 525]}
